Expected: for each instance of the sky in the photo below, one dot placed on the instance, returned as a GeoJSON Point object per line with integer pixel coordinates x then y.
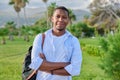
{"type": "Point", "coordinates": [73, 4]}
{"type": "Point", "coordinates": [35, 7]}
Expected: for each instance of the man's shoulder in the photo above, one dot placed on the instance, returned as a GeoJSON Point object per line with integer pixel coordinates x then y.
{"type": "Point", "coordinates": [72, 36]}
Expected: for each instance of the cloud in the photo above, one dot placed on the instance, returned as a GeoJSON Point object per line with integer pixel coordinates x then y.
{"type": "Point", "coordinates": [74, 4]}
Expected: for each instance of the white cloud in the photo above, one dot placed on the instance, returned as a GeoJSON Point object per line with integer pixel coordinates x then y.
{"type": "Point", "coordinates": [81, 4]}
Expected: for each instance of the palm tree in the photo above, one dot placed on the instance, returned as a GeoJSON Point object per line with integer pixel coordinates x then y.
{"type": "Point", "coordinates": [72, 16]}
{"type": "Point", "coordinates": [23, 5]}
{"type": "Point", "coordinates": [15, 4]}
{"type": "Point", "coordinates": [45, 1]}
{"type": "Point", "coordinates": [11, 28]}
{"type": "Point", "coordinates": [51, 8]}
{"type": "Point", "coordinates": [25, 31]}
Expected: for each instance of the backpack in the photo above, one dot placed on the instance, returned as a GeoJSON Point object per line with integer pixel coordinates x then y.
{"type": "Point", "coordinates": [28, 73]}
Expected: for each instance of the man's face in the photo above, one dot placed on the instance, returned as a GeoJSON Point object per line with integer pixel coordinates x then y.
{"type": "Point", "coordinates": [60, 19]}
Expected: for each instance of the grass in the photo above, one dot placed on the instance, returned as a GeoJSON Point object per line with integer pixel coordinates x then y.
{"type": "Point", "coordinates": [12, 55]}
{"type": "Point", "coordinates": [11, 58]}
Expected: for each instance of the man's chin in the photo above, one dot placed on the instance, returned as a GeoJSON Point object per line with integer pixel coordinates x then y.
{"type": "Point", "coordinates": [60, 29]}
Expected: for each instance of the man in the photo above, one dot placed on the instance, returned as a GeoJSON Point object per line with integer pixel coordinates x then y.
{"type": "Point", "coordinates": [61, 56]}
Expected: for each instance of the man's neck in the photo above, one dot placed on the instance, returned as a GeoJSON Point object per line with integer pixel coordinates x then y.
{"type": "Point", "coordinates": [57, 32]}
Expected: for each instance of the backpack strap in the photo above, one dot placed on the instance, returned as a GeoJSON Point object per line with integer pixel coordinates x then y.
{"type": "Point", "coordinates": [35, 71]}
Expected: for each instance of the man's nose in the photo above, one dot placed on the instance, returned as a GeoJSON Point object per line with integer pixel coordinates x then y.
{"type": "Point", "coordinates": [60, 19]}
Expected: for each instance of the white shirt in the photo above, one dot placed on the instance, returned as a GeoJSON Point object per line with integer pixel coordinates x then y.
{"type": "Point", "coordinates": [65, 48]}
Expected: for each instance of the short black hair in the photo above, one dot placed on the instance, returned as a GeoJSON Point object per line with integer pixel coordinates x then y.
{"type": "Point", "coordinates": [62, 8]}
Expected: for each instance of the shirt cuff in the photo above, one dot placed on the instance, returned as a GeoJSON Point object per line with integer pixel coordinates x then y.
{"type": "Point", "coordinates": [35, 64]}
{"type": "Point", "coordinates": [69, 69]}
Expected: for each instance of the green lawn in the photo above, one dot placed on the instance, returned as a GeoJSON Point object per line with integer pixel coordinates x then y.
{"type": "Point", "coordinates": [12, 55]}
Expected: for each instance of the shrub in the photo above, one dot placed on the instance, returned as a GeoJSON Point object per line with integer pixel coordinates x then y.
{"type": "Point", "coordinates": [79, 28]}
{"type": "Point", "coordinates": [111, 61]}
{"type": "Point", "coordinates": [93, 50]}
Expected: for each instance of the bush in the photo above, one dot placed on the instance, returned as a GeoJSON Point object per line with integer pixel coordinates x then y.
{"type": "Point", "coordinates": [3, 31]}
{"type": "Point", "coordinates": [79, 28]}
{"type": "Point", "coordinates": [93, 50]}
{"type": "Point", "coordinates": [75, 30]}
{"type": "Point", "coordinates": [111, 61]}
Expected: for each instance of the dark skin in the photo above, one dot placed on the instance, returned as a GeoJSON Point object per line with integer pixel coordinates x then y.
{"type": "Point", "coordinates": [60, 19]}
{"type": "Point", "coordinates": [54, 67]}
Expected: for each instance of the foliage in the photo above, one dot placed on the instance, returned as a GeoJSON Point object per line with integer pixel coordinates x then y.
{"type": "Point", "coordinates": [111, 61]}
{"type": "Point", "coordinates": [3, 31]}
{"type": "Point", "coordinates": [51, 8]}
{"type": "Point", "coordinates": [93, 50]}
{"type": "Point", "coordinates": [75, 30]}
{"type": "Point", "coordinates": [40, 26]}
{"type": "Point", "coordinates": [11, 26]}
{"type": "Point", "coordinates": [87, 30]}
{"type": "Point", "coordinates": [79, 28]}
{"type": "Point", "coordinates": [72, 15]}
{"type": "Point", "coordinates": [105, 14]}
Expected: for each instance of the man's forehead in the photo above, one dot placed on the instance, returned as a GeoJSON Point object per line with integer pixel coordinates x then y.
{"type": "Point", "coordinates": [60, 11]}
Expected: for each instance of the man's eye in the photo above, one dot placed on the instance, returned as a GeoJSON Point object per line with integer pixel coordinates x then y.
{"type": "Point", "coordinates": [64, 17]}
{"type": "Point", "coordinates": [57, 16]}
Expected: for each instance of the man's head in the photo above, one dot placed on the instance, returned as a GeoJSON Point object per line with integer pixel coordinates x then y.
{"type": "Point", "coordinates": [62, 8]}
{"type": "Point", "coordinates": [60, 18]}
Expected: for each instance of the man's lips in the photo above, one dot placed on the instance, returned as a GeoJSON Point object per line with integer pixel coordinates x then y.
{"type": "Point", "coordinates": [60, 24]}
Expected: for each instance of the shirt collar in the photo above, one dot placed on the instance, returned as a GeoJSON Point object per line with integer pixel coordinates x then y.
{"type": "Point", "coordinates": [68, 34]}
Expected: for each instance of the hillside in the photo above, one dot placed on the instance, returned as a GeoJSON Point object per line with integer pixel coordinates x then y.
{"type": "Point", "coordinates": [32, 18]}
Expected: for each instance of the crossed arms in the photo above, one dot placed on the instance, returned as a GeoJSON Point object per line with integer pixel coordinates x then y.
{"type": "Point", "coordinates": [53, 67]}
{"type": "Point", "coordinates": [59, 68]}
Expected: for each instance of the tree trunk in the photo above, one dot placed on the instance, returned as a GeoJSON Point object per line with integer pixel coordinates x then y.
{"type": "Point", "coordinates": [3, 40]}
{"type": "Point", "coordinates": [26, 21]}
{"type": "Point", "coordinates": [26, 38]}
{"type": "Point", "coordinates": [11, 38]}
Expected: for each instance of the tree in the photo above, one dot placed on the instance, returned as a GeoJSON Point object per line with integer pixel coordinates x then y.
{"type": "Point", "coordinates": [111, 60]}
{"type": "Point", "coordinates": [72, 16]}
{"type": "Point", "coordinates": [17, 8]}
{"type": "Point", "coordinates": [18, 4]}
{"type": "Point", "coordinates": [51, 8]}
{"type": "Point", "coordinates": [11, 26]}
{"type": "Point", "coordinates": [105, 14]}
{"type": "Point", "coordinates": [23, 5]}
{"type": "Point", "coordinates": [25, 31]}
{"type": "Point", "coordinates": [3, 32]}
{"type": "Point", "coordinates": [81, 29]}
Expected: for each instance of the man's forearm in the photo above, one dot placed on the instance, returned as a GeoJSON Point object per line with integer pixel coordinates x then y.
{"type": "Point", "coordinates": [62, 72]}
{"type": "Point", "coordinates": [49, 66]}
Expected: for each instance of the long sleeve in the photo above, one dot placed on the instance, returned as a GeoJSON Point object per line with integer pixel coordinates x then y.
{"type": "Point", "coordinates": [76, 59]}
{"type": "Point", "coordinates": [36, 60]}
